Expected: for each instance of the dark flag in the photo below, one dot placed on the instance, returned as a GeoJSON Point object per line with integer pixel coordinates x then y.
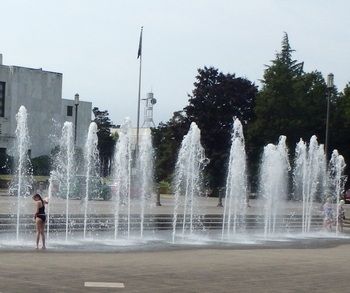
{"type": "Point", "coordinates": [139, 52]}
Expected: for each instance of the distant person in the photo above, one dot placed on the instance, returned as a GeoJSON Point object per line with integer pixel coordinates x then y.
{"type": "Point", "coordinates": [40, 219]}
{"type": "Point", "coordinates": [328, 215]}
{"type": "Point", "coordinates": [341, 215]}
{"type": "Point", "coordinates": [247, 200]}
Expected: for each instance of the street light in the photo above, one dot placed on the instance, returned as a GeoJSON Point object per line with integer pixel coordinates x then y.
{"type": "Point", "coordinates": [330, 85]}
{"type": "Point", "coordinates": [76, 103]}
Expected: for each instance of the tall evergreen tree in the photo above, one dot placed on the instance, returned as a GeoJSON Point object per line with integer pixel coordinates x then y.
{"type": "Point", "coordinates": [291, 102]}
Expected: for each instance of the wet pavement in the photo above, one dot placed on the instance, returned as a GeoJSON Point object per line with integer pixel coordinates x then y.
{"type": "Point", "coordinates": [320, 268]}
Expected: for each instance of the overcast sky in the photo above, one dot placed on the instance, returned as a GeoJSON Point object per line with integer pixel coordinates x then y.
{"type": "Point", "coordinates": [94, 44]}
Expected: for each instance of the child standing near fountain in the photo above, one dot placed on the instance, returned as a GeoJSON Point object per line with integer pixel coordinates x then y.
{"type": "Point", "coordinates": [40, 219]}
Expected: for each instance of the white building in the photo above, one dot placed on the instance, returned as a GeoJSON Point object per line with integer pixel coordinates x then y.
{"type": "Point", "coordinates": [41, 93]}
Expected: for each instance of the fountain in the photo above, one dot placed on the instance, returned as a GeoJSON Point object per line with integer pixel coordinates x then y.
{"type": "Point", "coordinates": [22, 179]}
{"type": "Point", "coordinates": [92, 167]}
{"type": "Point", "coordinates": [188, 181]}
{"type": "Point", "coordinates": [337, 179]}
{"type": "Point", "coordinates": [122, 175]}
{"type": "Point", "coordinates": [273, 182]}
{"type": "Point", "coordinates": [145, 171]}
{"type": "Point", "coordinates": [49, 192]}
{"type": "Point", "coordinates": [310, 167]}
{"type": "Point", "coordinates": [236, 184]}
{"type": "Point", "coordinates": [132, 194]}
{"type": "Point", "coordinates": [64, 174]}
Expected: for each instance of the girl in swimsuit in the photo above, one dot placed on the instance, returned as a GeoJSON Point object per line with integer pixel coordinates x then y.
{"type": "Point", "coordinates": [40, 219]}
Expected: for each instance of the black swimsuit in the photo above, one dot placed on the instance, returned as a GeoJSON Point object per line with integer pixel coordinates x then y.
{"type": "Point", "coordinates": [41, 214]}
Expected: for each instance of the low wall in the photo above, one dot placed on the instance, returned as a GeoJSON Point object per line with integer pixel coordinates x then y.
{"type": "Point", "coordinates": [106, 222]}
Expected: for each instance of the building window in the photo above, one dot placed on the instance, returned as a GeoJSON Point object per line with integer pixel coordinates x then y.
{"type": "Point", "coordinates": [69, 110]}
{"type": "Point", "coordinates": [2, 99]}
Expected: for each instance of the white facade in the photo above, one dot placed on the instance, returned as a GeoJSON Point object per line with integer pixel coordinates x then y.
{"type": "Point", "coordinates": [41, 93]}
{"type": "Point", "coordinates": [84, 111]}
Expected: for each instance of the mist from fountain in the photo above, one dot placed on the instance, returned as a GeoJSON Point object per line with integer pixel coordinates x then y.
{"type": "Point", "coordinates": [22, 179]}
{"type": "Point", "coordinates": [235, 205]}
{"type": "Point", "coordinates": [122, 175]}
{"type": "Point", "coordinates": [309, 172]}
{"type": "Point", "coordinates": [145, 174]}
{"type": "Point", "coordinates": [274, 182]}
{"type": "Point", "coordinates": [337, 180]}
{"type": "Point", "coordinates": [188, 181]}
{"type": "Point", "coordinates": [92, 168]}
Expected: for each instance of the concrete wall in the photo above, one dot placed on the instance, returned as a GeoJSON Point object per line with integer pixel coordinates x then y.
{"type": "Point", "coordinates": [41, 93]}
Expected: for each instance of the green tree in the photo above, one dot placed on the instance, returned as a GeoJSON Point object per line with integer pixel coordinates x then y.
{"type": "Point", "coordinates": [41, 165]}
{"type": "Point", "coordinates": [339, 128]}
{"type": "Point", "coordinates": [291, 102]}
{"type": "Point", "coordinates": [215, 100]}
{"type": "Point", "coordinates": [167, 139]}
{"type": "Point", "coordinates": [105, 141]}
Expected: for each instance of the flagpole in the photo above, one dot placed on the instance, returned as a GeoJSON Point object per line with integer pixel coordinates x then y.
{"type": "Point", "coordinates": [139, 95]}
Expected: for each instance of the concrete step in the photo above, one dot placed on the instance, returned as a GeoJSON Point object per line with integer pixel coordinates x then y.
{"type": "Point", "coordinates": [151, 222]}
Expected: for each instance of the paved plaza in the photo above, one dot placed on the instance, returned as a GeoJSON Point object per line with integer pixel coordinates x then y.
{"type": "Point", "coordinates": [294, 266]}
{"type": "Point", "coordinates": [323, 269]}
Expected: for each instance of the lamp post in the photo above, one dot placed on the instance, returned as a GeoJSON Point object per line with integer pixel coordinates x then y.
{"type": "Point", "coordinates": [330, 85]}
{"type": "Point", "coordinates": [76, 103]}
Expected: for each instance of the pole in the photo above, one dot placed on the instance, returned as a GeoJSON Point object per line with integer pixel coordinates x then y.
{"type": "Point", "coordinates": [75, 125]}
{"type": "Point", "coordinates": [330, 84]}
{"type": "Point", "coordinates": [327, 124]}
{"type": "Point", "coordinates": [158, 204]}
{"type": "Point", "coordinates": [139, 95]}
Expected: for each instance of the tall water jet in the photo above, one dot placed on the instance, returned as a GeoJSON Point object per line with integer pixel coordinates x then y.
{"type": "Point", "coordinates": [188, 180]}
{"type": "Point", "coordinates": [22, 179]}
{"type": "Point", "coordinates": [92, 167]}
{"type": "Point", "coordinates": [49, 192]}
{"type": "Point", "coordinates": [337, 180]}
{"type": "Point", "coordinates": [273, 182]}
{"type": "Point", "coordinates": [64, 167]}
{"type": "Point", "coordinates": [122, 175]}
{"type": "Point", "coordinates": [309, 173]}
{"type": "Point", "coordinates": [145, 171]}
{"type": "Point", "coordinates": [236, 184]}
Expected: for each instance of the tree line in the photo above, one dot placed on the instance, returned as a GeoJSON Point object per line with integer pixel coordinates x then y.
{"type": "Point", "coordinates": [290, 102]}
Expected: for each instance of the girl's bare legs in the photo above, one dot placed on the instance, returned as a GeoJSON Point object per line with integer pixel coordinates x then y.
{"type": "Point", "coordinates": [42, 232]}
{"type": "Point", "coordinates": [37, 224]}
